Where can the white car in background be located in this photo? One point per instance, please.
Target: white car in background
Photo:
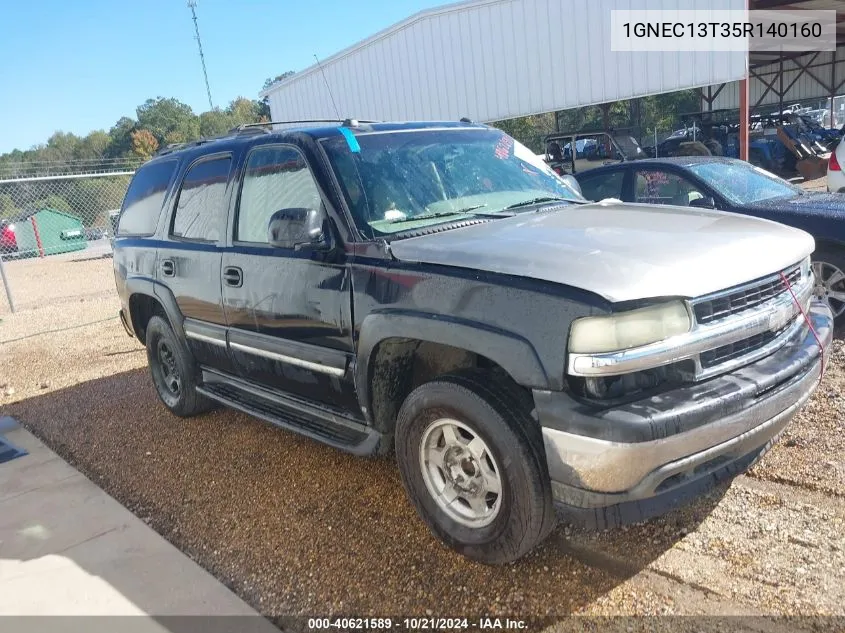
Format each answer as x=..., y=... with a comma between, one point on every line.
x=835, y=175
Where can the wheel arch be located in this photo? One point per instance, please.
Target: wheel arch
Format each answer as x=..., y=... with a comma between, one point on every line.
x=390, y=347
x=828, y=244
x=148, y=298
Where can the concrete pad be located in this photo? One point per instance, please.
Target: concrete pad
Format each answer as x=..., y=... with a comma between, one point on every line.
x=67, y=548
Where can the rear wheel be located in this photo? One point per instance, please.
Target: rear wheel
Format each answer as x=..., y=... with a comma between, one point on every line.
x=829, y=271
x=174, y=372
x=472, y=462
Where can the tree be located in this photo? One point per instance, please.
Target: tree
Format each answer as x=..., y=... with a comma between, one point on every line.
x=53, y=201
x=272, y=80
x=163, y=117
x=7, y=206
x=174, y=137
x=120, y=138
x=215, y=122
x=243, y=110
x=529, y=130
x=144, y=144
x=93, y=146
x=60, y=147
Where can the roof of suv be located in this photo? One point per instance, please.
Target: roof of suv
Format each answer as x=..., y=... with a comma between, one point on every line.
x=317, y=130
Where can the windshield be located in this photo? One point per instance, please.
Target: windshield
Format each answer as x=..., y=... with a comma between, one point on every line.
x=743, y=183
x=399, y=181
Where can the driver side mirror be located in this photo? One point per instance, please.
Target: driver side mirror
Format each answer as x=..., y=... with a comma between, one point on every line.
x=703, y=203
x=298, y=227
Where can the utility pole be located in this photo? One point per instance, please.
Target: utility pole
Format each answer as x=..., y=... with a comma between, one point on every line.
x=192, y=5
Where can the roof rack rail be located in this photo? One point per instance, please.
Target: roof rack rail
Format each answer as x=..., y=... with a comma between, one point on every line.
x=247, y=126
x=170, y=148
x=252, y=128
x=174, y=147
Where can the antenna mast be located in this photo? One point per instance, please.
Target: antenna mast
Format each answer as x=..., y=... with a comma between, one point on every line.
x=192, y=5
x=334, y=105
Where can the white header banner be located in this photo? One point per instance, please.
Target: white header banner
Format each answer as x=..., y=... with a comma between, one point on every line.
x=703, y=30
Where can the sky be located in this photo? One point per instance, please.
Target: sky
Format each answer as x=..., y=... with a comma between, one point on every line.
x=80, y=66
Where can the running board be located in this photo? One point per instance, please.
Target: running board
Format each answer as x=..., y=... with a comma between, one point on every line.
x=290, y=414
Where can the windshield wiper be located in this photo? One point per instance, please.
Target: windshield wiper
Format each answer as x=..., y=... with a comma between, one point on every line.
x=532, y=201
x=446, y=214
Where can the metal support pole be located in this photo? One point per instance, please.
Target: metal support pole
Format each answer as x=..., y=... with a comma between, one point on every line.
x=744, y=119
x=6, y=285
x=832, y=88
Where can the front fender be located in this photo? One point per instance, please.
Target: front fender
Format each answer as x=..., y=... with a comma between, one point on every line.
x=513, y=353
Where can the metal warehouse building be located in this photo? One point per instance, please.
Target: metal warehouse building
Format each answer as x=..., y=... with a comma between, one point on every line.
x=491, y=60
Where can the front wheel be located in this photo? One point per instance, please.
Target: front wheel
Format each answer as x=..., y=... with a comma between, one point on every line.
x=829, y=271
x=472, y=463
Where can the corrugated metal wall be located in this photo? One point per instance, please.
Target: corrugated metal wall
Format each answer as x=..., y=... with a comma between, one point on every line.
x=804, y=88
x=498, y=59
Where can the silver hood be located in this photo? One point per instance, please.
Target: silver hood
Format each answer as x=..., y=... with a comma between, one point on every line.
x=620, y=251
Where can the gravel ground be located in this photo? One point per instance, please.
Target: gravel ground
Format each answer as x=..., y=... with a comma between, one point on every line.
x=59, y=279
x=295, y=527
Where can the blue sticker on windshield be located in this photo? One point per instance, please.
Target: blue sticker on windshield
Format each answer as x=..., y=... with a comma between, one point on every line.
x=350, y=139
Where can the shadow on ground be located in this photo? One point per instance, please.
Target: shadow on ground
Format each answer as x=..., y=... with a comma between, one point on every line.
x=297, y=528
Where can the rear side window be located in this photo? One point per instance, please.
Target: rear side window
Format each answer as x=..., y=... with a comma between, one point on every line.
x=200, y=207
x=142, y=204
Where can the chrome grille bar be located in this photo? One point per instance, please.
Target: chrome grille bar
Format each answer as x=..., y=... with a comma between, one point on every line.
x=727, y=302
x=778, y=314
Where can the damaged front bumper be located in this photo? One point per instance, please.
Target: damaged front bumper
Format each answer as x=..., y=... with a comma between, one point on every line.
x=627, y=463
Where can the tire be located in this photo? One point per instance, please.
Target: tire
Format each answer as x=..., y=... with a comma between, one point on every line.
x=829, y=265
x=492, y=409
x=175, y=374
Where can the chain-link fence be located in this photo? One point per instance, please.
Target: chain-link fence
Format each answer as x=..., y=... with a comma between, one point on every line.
x=55, y=234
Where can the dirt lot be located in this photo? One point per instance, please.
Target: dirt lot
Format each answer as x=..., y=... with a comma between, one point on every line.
x=56, y=279
x=298, y=528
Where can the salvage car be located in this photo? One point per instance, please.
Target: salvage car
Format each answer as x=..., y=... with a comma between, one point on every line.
x=733, y=185
x=435, y=291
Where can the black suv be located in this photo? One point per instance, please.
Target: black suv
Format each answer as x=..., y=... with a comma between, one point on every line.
x=434, y=289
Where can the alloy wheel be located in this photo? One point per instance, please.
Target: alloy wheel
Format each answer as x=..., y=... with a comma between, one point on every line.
x=830, y=285
x=461, y=473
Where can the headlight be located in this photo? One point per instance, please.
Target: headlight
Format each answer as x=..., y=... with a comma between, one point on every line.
x=615, y=332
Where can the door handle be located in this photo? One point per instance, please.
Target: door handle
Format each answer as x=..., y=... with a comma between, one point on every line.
x=233, y=276
x=168, y=268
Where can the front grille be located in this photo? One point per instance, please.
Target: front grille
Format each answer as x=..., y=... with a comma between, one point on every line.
x=725, y=353
x=744, y=298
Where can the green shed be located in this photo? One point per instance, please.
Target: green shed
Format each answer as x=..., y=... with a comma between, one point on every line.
x=49, y=232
